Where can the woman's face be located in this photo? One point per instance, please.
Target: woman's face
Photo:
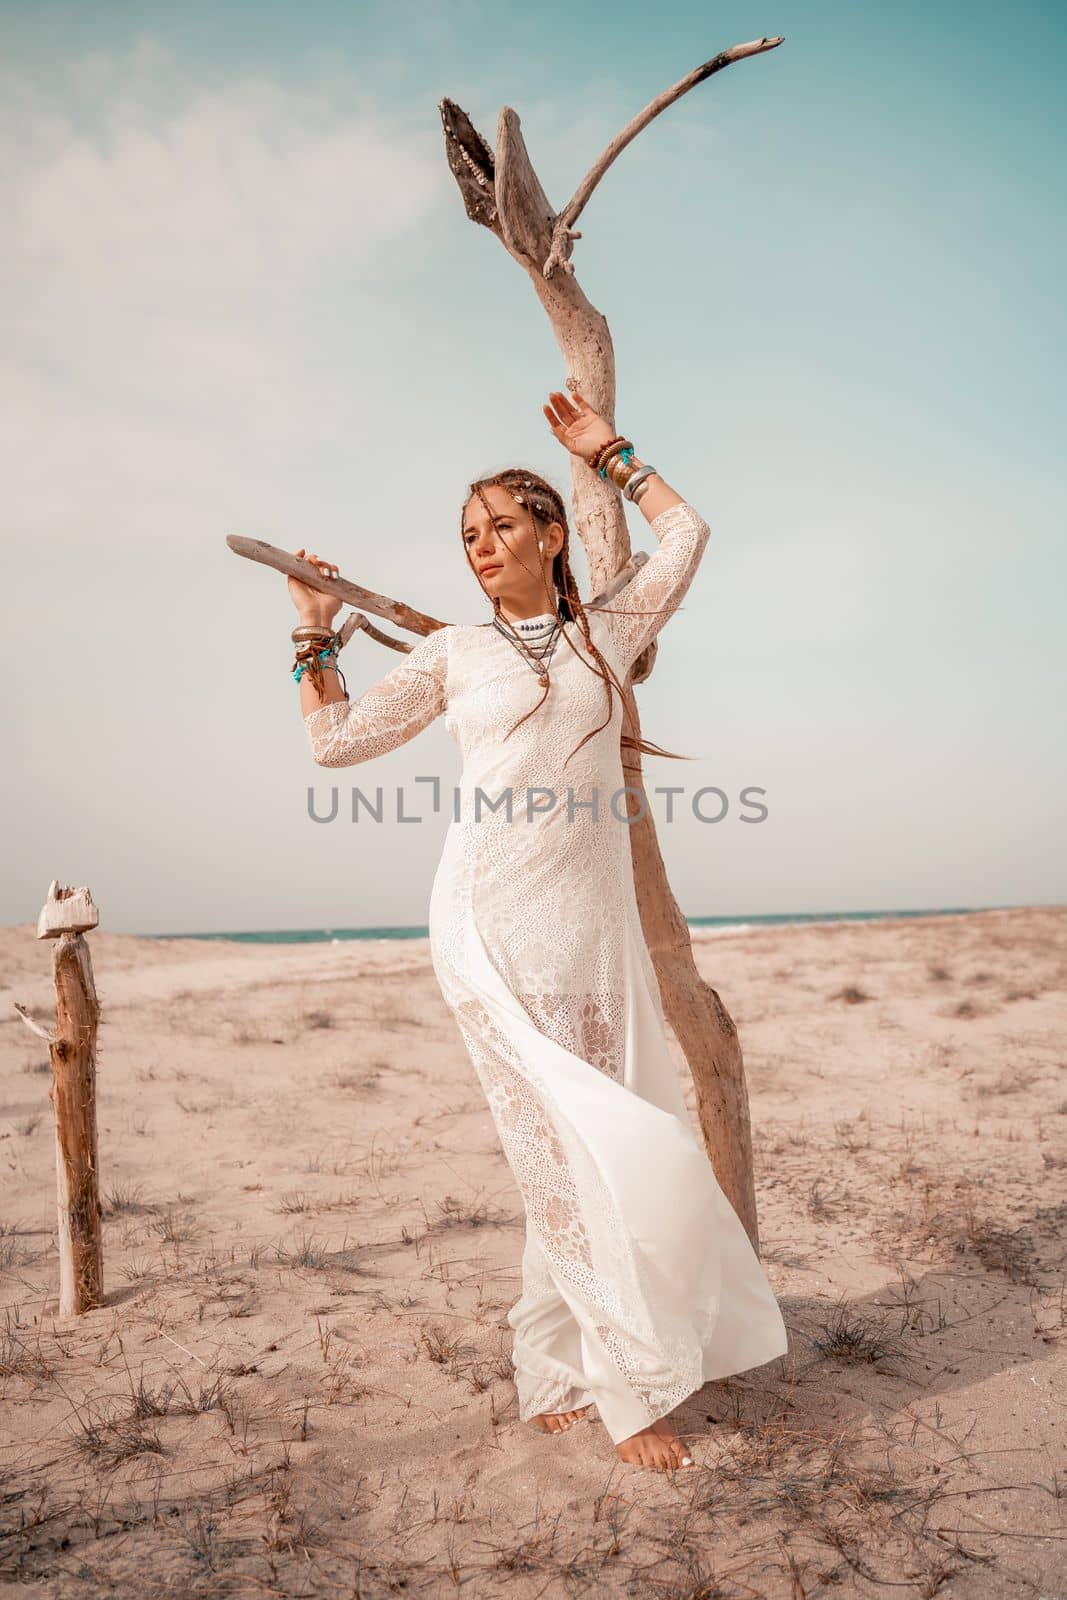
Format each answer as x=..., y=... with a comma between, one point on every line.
x=509, y=574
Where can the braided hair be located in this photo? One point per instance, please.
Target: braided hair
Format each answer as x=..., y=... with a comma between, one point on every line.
x=545, y=504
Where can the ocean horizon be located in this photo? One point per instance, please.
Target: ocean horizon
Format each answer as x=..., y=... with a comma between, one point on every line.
x=755, y=920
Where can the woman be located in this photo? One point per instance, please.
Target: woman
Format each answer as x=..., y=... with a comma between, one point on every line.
x=639, y=1283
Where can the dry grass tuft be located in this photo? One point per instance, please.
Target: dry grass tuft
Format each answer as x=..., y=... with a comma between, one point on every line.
x=318, y=1019
x=175, y=1228
x=950, y=1224
x=849, y=1337
x=19, y=1359
x=305, y=1253
x=125, y=1200
x=456, y=1213
x=362, y=1081
x=440, y=1345
x=112, y=1440
x=851, y=994
x=999, y=1249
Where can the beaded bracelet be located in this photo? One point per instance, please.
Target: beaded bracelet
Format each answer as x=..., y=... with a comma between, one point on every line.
x=596, y=460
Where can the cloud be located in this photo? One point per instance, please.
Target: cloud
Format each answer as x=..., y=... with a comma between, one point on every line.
x=189, y=191
x=175, y=253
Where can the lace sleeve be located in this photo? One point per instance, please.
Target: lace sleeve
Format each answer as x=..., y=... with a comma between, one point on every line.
x=637, y=613
x=391, y=712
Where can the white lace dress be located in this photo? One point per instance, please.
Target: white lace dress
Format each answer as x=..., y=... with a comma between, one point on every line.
x=639, y=1283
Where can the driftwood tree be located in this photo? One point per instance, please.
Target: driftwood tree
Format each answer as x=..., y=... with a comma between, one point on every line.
x=502, y=192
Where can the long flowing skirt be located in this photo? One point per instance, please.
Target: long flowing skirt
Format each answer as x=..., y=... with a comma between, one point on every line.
x=639, y=1282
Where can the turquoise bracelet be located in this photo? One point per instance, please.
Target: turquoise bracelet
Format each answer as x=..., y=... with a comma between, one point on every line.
x=626, y=455
x=324, y=655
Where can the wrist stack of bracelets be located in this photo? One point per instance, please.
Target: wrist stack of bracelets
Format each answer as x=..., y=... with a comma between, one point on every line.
x=317, y=646
x=614, y=461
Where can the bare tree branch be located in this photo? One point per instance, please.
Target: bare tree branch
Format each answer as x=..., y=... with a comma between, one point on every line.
x=563, y=228
x=24, y=1013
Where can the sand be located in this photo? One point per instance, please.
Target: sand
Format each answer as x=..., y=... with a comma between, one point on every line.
x=299, y=1384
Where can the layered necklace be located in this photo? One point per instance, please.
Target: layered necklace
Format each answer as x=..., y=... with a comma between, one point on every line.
x=537, y=639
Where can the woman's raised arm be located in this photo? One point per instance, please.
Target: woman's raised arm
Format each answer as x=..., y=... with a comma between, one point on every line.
x=635, y=615
x=391, y=712
x=388, y=714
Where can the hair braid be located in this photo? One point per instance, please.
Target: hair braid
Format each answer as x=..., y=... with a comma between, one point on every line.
x=545, y=504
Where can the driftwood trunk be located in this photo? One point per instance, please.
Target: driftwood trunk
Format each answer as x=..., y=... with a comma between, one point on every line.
x=502, y=192
x=73, y=1095
x=65, y=917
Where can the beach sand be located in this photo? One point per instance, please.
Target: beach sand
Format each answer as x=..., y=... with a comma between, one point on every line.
x=299, y=1381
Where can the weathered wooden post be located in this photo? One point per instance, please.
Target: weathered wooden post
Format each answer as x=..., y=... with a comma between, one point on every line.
x=66, y=915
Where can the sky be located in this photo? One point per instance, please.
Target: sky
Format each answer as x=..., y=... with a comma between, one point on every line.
x=242, y=295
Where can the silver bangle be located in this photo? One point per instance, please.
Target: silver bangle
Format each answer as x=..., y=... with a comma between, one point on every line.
x=635, y=482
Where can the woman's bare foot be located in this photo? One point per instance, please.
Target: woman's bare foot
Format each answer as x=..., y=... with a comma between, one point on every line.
x=658, y=1446
x=558, y=1421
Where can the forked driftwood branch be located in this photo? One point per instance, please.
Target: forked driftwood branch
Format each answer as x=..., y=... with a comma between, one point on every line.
x=563, y=227
x=502, y=192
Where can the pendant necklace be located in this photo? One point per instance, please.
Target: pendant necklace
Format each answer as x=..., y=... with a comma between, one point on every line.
x=537, y=641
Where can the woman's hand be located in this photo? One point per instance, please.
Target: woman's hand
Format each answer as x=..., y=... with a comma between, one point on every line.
x=577, y=426
x=312, y=604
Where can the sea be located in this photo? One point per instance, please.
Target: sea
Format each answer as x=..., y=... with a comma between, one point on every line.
x=764, y=919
